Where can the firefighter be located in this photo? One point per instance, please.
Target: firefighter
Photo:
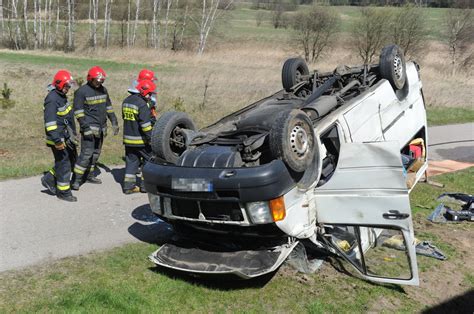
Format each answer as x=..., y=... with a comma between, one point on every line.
x=137, y=126
x=146, y=74
x=60, y=136
x=92, y=106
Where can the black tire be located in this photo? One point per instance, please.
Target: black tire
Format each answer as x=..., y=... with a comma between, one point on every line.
x=392, y=66
x=292, y=139
x=166, y=142
x=292, y=71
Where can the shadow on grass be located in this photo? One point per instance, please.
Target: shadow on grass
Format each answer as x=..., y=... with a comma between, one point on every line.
x=216, y=282
x=463, y=303
x=155, y=231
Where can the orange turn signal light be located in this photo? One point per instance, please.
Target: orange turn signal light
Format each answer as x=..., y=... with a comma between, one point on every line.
x=277, y=208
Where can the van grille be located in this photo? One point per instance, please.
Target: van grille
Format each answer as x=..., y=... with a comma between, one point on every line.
x=220, y=211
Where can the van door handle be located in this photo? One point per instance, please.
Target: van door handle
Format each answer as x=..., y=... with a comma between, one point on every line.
x=395, y=214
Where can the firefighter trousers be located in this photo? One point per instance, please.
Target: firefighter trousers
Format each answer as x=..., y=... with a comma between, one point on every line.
x=134, y=158
x=60, y=174
x=90, y=152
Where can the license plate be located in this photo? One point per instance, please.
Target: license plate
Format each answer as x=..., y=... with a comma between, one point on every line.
x=191, y=185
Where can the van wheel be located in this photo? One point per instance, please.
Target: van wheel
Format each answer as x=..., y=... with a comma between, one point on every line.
x=292, y=72
x=392, y=66
x=292, y=139
x=167, y=140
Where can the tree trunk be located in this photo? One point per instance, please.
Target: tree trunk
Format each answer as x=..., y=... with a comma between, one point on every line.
x=35, y=24
x=168, y=7
x=40, y=25
x=95, y=16
x=183, y=26
x=25, y=19
x=70, y=25
x=154, y=27
x=50, y=23
x=17, y=36
x=2, y=22
x=128, y=22
x=108, y=21
x=56, y=32
x=135, y=26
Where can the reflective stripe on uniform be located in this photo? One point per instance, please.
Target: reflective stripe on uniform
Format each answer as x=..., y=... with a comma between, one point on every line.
x=51, y=128
x=52, y=171
x=49, y=142
x=146, y=126
x=95, y=100
x=110, y=109
x=79, y=113
x=130, y=108
x=63, y=186
x=130, y=178
x=133, y=140
x=64, y=110
x=79, y=170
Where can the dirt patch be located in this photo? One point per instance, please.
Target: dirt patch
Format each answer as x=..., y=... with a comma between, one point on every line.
x=436, y=167
x=445, y=280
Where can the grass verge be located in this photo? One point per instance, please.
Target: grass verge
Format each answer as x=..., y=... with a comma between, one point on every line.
x=442, y=116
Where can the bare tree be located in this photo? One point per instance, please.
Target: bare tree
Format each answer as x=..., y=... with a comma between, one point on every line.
x=107, y=21
x=137, y=16
x=370, y=32
x=183, y=25
x=56, y=31
x=314, y=30
x=129, y=9
x=209, y=15
x=25, y=20
x=17, y=33
x=93, y=26
x=168, y=7
x=459, y=36
x=71, y=21
x=155, y=24
x=35, y=24
x=2, y=21
x=408, y=29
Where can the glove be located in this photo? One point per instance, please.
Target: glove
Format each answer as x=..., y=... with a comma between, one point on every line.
x=60, y=146
x=116, y=129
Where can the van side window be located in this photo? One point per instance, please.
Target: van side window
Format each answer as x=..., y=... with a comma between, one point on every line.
x=330, y=147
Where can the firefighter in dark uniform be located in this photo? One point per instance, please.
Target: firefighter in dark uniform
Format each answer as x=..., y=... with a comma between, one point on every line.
x=92, y=106
x=137, y=126
x=60, y=137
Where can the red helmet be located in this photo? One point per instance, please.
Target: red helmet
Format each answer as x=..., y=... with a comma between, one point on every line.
x=146, y=87
x=97, y=73
x=62, y=78
x=146, y=75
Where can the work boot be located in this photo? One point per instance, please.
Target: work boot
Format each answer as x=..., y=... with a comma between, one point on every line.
x=142, y=187
x=75, y=185
x=67, y=197
x=135, y=189
x=94, y=180
x=47, y=180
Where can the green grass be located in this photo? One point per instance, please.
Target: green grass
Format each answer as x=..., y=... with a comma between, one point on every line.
x=123, y=280
x=442, y=115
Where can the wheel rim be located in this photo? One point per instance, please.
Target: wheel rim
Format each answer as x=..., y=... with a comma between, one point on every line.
x=299, y=141
x=177, y=141
x=398, y=67
x=298, y=75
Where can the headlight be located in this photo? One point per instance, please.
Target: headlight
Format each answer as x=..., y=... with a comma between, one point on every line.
x=259, y=212
x=155, y=203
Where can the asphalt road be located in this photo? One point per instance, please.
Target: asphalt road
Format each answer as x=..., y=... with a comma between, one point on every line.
x=35, y=227
x=454, y=142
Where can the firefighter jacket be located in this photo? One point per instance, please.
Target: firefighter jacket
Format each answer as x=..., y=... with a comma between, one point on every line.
x=58, y=118
x=137, y=124
x=92, y=107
